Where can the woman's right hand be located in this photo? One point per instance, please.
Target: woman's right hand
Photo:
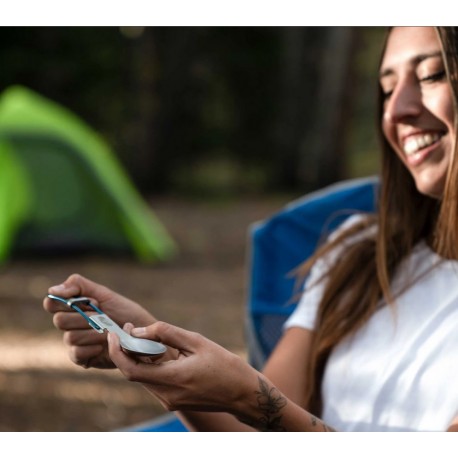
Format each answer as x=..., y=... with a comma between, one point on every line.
x=88, y=348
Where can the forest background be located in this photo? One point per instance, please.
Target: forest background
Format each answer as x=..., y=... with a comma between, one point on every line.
x=223, y=109
x=218, y=127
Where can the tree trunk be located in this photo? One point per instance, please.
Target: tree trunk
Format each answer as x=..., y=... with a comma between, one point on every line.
x=324, y=146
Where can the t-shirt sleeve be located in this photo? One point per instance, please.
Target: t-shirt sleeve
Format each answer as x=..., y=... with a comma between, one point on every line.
x=304, y=316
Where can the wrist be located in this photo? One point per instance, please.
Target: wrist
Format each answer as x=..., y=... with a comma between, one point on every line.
x=263, y=406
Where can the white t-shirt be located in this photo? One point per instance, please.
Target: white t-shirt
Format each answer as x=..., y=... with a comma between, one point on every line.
x=400, y=371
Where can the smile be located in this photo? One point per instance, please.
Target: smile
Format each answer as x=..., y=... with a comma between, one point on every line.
x=415, y=143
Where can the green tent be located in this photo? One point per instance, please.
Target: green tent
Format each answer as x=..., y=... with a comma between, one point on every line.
x=61, y=187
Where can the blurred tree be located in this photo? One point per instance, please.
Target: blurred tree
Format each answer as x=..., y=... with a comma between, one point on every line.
x=323, y=152
x=179, y=90
x=296, y=101
x=272, y=107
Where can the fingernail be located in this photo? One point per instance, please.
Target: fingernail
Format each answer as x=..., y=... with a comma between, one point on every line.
x=128, y=326
x=138, y=331
x=58, y=288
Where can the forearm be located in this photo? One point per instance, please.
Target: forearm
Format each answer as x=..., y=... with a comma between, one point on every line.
x=212, y=388
x=266, y=409
x=269, y=410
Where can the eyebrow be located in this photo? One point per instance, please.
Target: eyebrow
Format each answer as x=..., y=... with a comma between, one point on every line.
x=416, y=60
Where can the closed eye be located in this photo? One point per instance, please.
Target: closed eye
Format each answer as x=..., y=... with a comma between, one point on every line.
x=434, y=77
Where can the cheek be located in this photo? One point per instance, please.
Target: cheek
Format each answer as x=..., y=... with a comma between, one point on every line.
x=385, y=129
x=451, y=119
x=442, y=108
x=389, y=132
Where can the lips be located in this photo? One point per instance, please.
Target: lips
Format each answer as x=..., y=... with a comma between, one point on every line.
x=416, y=142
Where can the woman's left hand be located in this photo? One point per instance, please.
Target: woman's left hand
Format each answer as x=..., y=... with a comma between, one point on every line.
x=204, y=377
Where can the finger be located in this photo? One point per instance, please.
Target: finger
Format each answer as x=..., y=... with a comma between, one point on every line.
x=53, y=306
x=150, y=373
x=67, y=321
x=164, y=374
x=77, y=285
x=128, y=365
x=83, y=355
x=145, y=359
x=118, y=356
x=170, y=335
x=84, y=338
x=171, y=353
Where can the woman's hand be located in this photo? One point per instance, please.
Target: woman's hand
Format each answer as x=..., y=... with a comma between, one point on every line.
x=88, y=348
x=204, y=376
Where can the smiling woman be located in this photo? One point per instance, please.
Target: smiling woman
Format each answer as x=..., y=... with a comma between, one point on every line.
x=371, y=344
x=418, y=119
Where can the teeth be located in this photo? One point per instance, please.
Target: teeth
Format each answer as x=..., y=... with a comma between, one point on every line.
x=413, y=144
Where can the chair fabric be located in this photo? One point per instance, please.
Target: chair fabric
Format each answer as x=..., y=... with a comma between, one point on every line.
x=166, y=423
x=281, y=243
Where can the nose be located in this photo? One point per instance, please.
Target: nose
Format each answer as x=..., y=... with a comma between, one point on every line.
x=405, y=102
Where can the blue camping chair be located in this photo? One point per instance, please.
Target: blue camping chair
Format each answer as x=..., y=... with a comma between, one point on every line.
x=285, y=240
x=277, y=246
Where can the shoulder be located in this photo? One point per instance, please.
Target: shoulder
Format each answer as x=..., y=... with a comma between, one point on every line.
x=355, y=229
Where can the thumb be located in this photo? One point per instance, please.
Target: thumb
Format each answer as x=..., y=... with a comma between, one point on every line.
x=77, y=285
x=169, y=335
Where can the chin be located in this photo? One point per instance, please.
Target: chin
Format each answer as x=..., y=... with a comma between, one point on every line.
x=436, y=192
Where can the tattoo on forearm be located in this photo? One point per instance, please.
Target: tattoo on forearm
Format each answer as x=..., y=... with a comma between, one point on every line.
x=270, y=403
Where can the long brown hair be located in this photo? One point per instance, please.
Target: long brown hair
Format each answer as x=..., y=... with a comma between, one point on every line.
x=357, y=283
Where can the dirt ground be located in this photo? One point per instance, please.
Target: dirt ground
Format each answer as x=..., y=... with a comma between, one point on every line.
x=203, y=289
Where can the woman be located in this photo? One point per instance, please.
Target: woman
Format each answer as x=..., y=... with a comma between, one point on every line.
x=371, y=344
